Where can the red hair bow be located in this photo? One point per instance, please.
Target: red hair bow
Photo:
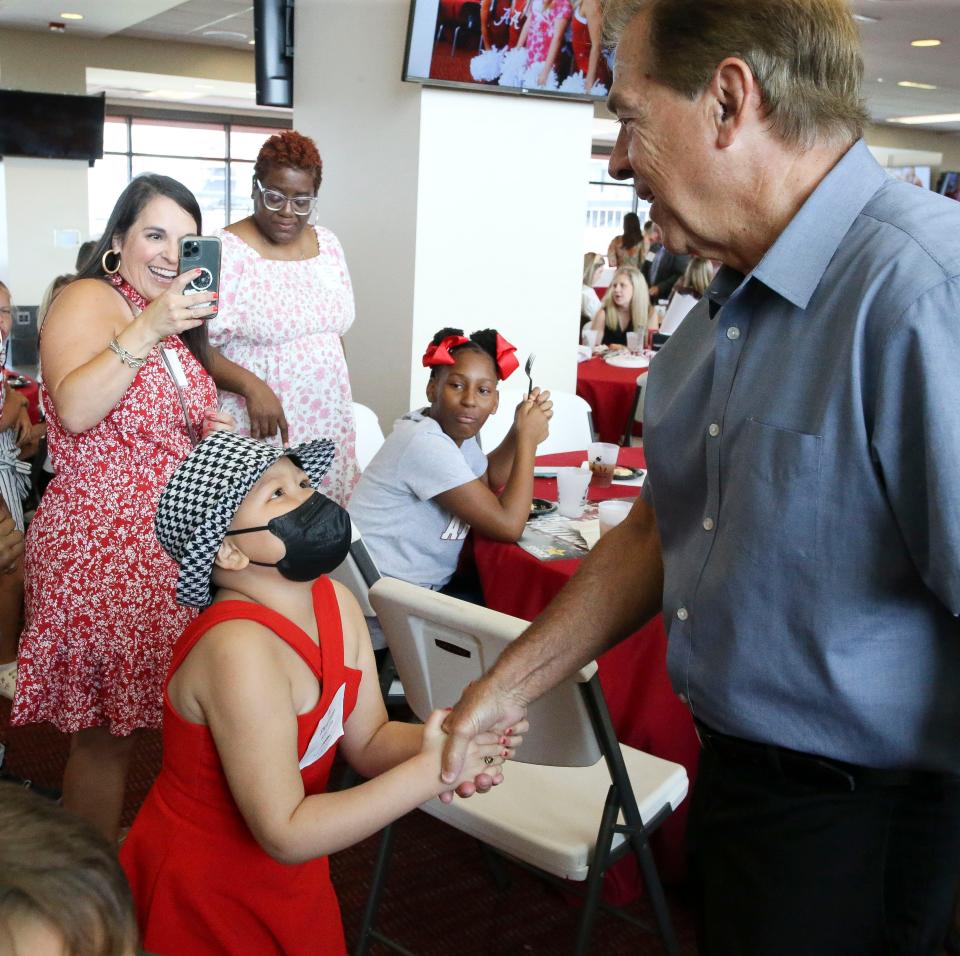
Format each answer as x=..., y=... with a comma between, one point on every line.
x=507, y=362
x=440, y=354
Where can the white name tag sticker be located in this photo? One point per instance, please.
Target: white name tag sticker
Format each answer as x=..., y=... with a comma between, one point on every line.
x=175, y=367
x=649, y=257
x=328, y=732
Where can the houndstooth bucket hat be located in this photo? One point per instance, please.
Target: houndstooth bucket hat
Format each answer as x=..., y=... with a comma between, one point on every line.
x=203, y=494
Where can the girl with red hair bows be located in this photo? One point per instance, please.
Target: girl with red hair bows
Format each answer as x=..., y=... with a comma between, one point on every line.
x=431, y=482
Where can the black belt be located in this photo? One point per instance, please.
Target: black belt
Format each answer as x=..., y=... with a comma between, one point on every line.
x=808, y=769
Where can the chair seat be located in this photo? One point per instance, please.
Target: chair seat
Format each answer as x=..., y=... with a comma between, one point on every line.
x=549, y=816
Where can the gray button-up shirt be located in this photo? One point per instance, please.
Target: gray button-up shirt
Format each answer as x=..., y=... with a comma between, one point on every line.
x=802, y=429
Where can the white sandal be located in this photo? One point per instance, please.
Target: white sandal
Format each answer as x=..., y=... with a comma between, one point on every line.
x=8, y=681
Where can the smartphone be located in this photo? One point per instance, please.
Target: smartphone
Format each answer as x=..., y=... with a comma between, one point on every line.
x=201, y=252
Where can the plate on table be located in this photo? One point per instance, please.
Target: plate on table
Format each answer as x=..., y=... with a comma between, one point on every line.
x=540, y=507
x=625, y=473
x=620, y=358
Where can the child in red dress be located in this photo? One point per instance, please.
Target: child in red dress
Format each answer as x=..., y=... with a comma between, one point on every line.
x=229, y=852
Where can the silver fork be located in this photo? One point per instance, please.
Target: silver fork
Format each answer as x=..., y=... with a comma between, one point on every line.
x=528, y=368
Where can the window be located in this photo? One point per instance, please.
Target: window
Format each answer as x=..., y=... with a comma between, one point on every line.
x=214, y=160
x=608, y=200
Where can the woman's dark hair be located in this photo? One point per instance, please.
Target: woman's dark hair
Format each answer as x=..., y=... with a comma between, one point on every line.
x=130, y=204
x=484, y=341
x=632, y=233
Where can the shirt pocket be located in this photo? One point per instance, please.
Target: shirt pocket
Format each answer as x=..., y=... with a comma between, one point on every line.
x=773, y=494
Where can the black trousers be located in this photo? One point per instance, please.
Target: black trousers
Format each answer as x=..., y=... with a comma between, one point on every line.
x=790, y=858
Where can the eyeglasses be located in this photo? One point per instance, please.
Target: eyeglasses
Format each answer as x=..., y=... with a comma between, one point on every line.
x=275, y=200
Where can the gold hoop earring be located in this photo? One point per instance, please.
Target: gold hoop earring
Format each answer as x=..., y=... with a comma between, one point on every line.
x=103, y=262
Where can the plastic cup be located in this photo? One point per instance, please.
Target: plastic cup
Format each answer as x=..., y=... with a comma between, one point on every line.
x=590, y=337
x=634, y=342
x=572, y=484
x=602, y=458
x=611, y=513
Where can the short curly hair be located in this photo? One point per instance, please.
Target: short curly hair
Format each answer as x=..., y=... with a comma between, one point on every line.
x=292, y=149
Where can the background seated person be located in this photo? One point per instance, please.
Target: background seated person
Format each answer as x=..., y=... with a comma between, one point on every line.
x=687, y=293
x=625, y=308
x=589, y=300
x=431, y=482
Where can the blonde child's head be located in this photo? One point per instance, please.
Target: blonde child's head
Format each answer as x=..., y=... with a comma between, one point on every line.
x=62, y=892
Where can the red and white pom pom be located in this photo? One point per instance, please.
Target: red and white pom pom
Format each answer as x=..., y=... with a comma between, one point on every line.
x=487, y=66
x=514, y=67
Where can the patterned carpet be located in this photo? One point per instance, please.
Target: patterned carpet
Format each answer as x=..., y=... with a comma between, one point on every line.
x=440, y=897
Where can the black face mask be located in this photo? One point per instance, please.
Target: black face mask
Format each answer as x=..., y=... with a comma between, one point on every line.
x=316, y=535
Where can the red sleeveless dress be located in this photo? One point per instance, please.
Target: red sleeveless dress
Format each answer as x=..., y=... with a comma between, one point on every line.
x=201, y=883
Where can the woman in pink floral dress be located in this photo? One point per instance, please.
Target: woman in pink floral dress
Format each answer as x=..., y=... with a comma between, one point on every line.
x=125, y=390
x=285, y=301
x=543, y=33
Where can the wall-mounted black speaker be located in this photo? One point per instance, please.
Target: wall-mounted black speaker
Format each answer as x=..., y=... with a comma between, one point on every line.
x=273, y=36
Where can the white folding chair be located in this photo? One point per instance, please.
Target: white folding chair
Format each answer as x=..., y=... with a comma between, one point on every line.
x=369, y=434
x=571, y=428
x=574, y=800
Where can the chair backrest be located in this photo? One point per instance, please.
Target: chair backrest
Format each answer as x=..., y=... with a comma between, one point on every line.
x=358, y=572
x=636, y=410
x=570, y=427
x=439, y=644
x=369, y=434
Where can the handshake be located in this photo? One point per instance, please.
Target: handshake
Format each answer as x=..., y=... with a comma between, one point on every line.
x=477, y=737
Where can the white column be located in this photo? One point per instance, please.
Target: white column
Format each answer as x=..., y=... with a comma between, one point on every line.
x=455, y=207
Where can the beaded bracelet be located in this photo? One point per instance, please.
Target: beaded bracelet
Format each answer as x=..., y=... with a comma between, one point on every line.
x=128, y=358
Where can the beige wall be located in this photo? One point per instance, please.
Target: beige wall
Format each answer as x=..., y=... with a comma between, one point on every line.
x=903, y=137
x=48, y=63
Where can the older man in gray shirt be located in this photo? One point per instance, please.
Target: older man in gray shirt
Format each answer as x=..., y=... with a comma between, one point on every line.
x=801, y=526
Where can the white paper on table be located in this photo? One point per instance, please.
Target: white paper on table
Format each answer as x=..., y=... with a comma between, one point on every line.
x=589, y=530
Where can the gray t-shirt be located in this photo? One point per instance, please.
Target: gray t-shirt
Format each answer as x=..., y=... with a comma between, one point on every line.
x=408, y=534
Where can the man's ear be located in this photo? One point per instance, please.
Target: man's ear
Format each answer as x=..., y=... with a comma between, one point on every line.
x=230, y=557
x=734, y=99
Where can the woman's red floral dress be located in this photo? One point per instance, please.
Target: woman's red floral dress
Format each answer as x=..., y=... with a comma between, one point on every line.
x=101, y=615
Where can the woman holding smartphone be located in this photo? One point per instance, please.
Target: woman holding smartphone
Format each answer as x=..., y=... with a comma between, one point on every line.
x=285, y=301
x=126, y=389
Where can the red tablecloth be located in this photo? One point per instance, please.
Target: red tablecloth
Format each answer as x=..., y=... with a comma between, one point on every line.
x=31, y=392
x=645, y=711
x=609, y=392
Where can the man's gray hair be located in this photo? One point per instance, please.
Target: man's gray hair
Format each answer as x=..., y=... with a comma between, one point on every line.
x=804, y=54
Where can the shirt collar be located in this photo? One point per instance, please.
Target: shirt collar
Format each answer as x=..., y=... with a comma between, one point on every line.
x=796, y=262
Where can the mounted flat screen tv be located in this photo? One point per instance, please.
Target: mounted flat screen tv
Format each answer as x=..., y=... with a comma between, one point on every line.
x=949, y=185
x=507, y=46
x=51, y=125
